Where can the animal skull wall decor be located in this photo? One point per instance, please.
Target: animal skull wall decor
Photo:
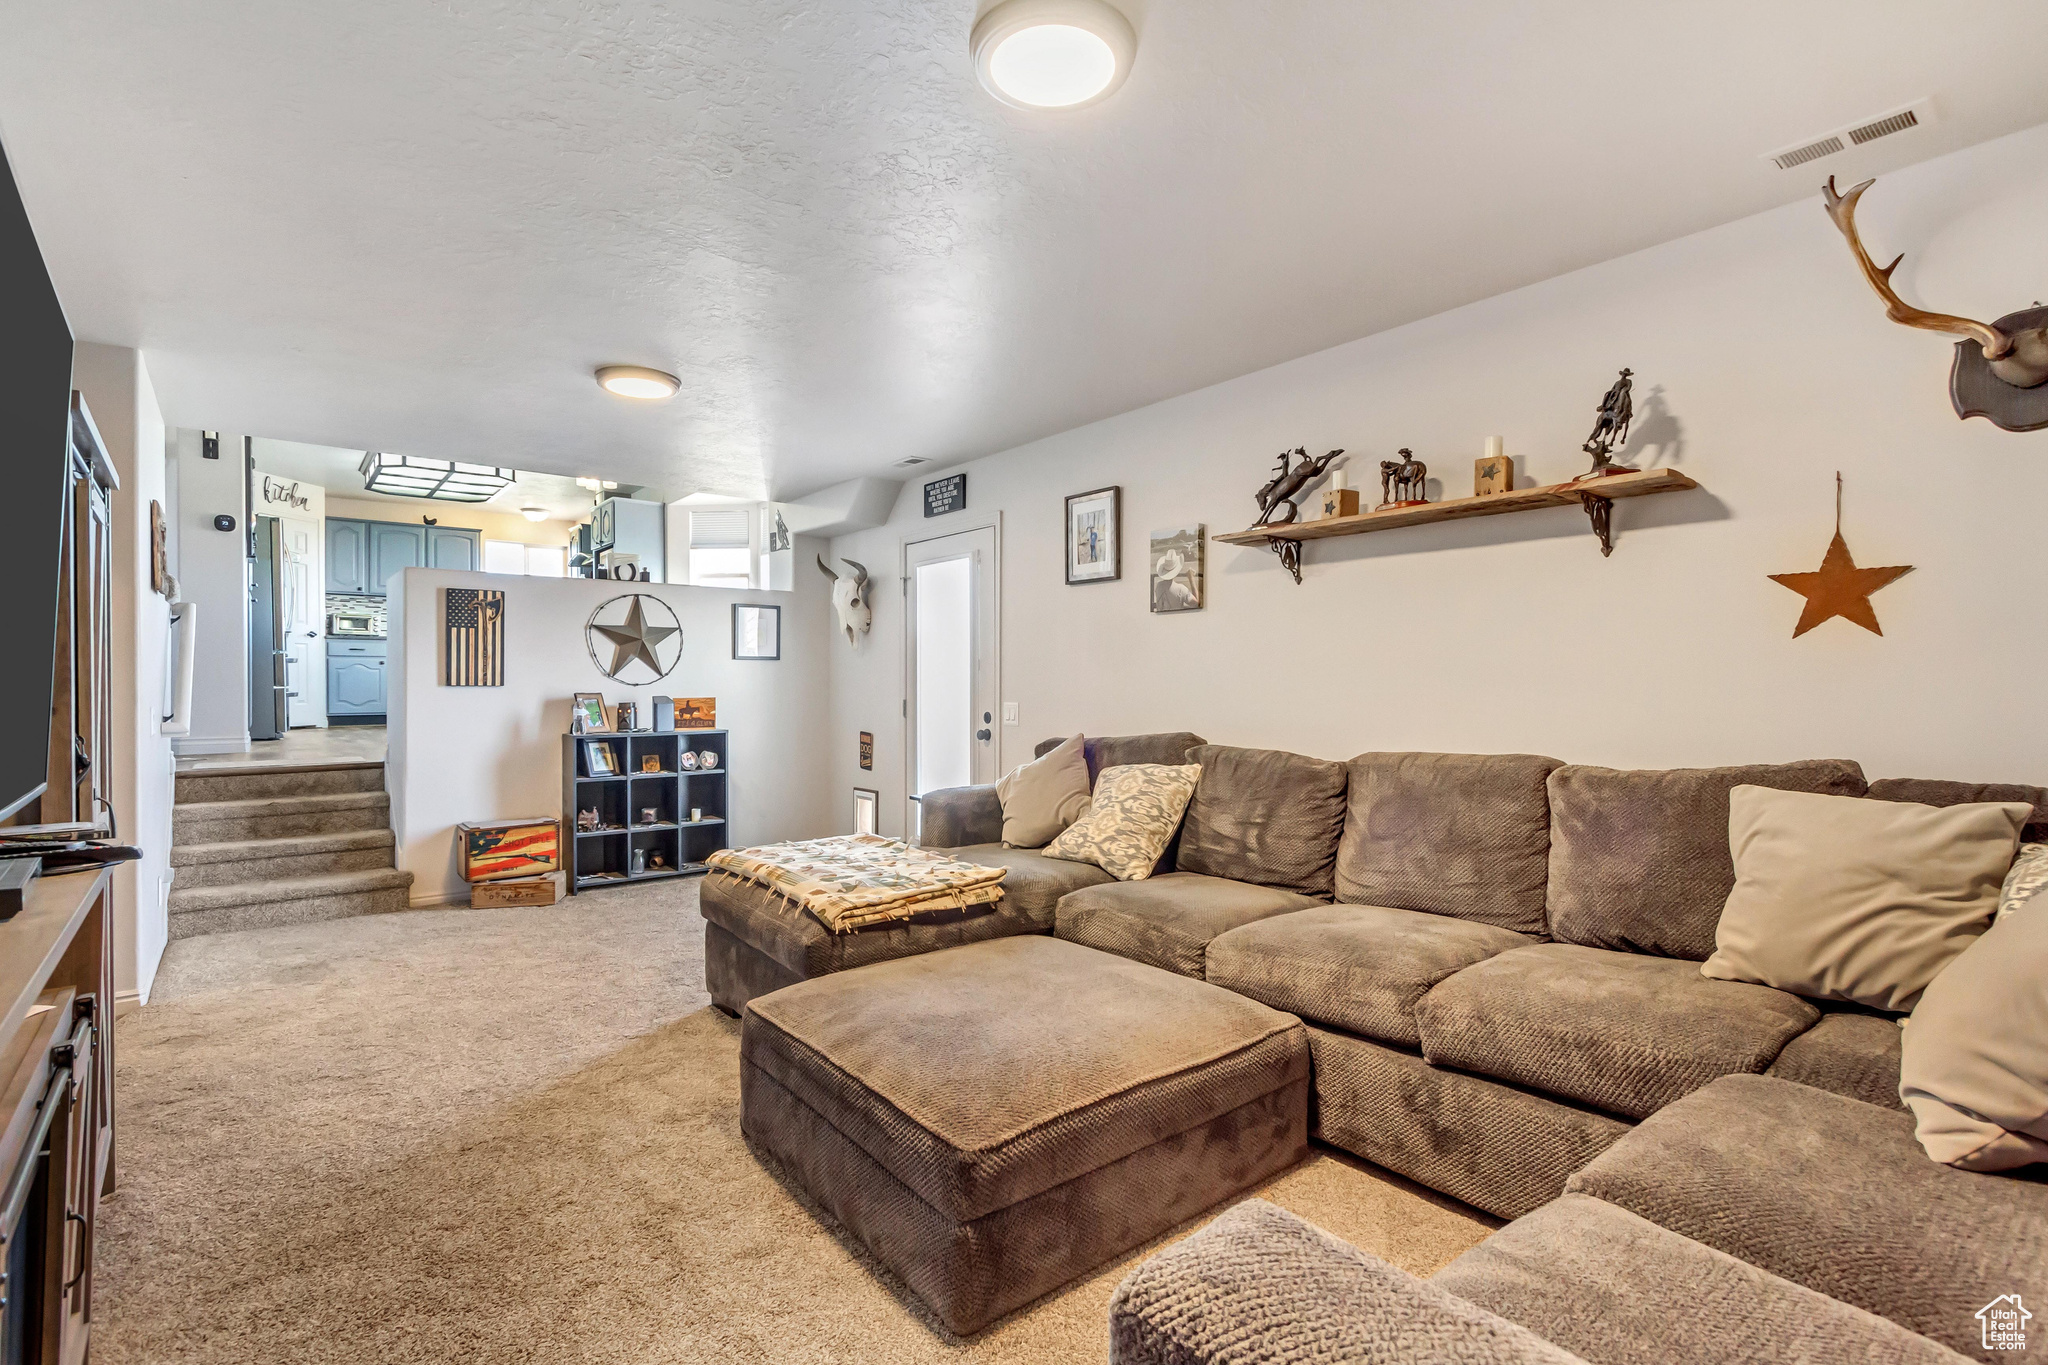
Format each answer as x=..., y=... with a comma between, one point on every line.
x=2001, y=368
x=850, y=599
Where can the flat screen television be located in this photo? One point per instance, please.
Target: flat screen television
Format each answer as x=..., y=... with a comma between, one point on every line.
x=35, y=440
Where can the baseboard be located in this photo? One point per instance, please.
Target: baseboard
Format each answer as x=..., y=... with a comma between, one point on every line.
x=438, y=899
x=186, y=748
x=126, y=1003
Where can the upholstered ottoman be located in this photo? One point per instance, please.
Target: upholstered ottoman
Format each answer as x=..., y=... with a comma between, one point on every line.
x=997, y=1119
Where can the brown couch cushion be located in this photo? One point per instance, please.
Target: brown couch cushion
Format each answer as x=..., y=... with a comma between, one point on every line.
x=1849, y=1053
x=1453, y=834
x=1932, y=792
x=985, y=1075
x=1355, y=967
x=1167, y=921
x=1264, y=816
x=1624, y=1032
x=1112, y=751
x=1036, y=882
x=1836, y=1195
x=1616, y=1288
x=1639, y=860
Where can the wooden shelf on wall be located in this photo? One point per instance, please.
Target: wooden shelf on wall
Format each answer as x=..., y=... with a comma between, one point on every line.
x=1615, y=486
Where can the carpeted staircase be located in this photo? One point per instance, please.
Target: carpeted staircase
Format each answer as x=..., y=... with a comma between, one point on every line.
x=263, y=845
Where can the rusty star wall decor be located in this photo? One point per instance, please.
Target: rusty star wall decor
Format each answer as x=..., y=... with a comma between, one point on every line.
x=1839, y=588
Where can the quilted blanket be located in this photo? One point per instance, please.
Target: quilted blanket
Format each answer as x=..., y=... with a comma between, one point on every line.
x=851, y=881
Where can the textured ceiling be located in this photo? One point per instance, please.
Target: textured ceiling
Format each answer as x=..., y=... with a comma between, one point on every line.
x=414, y=226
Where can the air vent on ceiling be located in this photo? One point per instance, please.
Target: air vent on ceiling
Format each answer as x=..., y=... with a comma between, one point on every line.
x=1915, y=115
x=911, y=462
x=1812, y=151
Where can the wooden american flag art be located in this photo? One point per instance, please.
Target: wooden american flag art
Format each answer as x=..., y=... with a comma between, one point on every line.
x=474, y=619
x=508, y=848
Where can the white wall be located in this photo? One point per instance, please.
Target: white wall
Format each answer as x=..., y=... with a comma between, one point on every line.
x=1763, y=364
x=213, y=571
x=494, y=753
x=115, y=382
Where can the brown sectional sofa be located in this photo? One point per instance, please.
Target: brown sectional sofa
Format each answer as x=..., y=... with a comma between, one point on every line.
x=1495, y=963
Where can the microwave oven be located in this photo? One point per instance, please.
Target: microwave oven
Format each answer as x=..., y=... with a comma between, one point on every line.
x=352, y=623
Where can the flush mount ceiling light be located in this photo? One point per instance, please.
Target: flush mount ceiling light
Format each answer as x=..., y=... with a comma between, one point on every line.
x=412, y=476
x=637, y=381
x=1052, y=54
x=534, y=513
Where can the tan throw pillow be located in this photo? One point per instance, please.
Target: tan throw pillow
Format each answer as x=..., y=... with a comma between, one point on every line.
x=1044, y=796
x=1136, y=809
x=1974, y=1063
x=2029, y=874
x=1844, y=898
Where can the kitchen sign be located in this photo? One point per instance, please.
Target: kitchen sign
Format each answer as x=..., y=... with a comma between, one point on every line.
x=286, y=493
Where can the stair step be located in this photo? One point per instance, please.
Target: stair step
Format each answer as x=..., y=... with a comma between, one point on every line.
x=272, y=817
x=302, y=855
x=252, y=781
x=219, y=909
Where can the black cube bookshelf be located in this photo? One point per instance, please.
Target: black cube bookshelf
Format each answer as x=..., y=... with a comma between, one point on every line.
x=648, y=775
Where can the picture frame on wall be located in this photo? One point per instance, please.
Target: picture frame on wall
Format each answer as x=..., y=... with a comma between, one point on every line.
x=1094, y=535
x=756, y=632
x=865, y=803
x=586, y=714
x=1176, y=556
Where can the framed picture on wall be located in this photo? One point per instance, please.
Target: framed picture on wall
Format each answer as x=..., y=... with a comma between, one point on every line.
x=1094, y=536
x=865, y=803
x=1176, y=555
x=756, y=632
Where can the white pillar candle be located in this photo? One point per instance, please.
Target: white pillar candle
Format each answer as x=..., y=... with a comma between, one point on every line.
x=1494, y=447
x=1339, y=480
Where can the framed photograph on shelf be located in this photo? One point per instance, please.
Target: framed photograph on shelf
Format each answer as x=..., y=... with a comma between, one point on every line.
x=865, y=803
x=1176, y=555
x=600, y=758
x=1094, y=538
x=586, y=714
x=756, y=632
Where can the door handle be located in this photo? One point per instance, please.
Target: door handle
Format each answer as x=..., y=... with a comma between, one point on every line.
x=982, y=735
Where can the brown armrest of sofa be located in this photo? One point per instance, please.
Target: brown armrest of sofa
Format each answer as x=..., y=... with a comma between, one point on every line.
x=954, y=817
x=1259, y=1270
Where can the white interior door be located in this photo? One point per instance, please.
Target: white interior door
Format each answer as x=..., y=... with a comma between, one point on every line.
x=950, y=585
x=303, y=582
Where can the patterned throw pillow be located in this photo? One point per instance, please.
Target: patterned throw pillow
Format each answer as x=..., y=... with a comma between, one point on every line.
x=1136, y=810
x=2029, y=874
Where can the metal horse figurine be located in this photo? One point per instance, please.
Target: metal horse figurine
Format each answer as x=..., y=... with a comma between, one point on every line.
x=1402, y=481
x=1610, y=429
x=1277, y=497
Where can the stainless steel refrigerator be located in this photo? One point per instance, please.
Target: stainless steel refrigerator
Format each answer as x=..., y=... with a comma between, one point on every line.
x=267, y=686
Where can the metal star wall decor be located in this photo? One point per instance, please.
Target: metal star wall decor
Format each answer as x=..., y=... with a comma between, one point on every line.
x=643, y=650
x=1839, y=588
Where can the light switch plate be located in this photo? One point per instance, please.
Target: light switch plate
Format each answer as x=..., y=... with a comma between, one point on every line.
x=1009, y=713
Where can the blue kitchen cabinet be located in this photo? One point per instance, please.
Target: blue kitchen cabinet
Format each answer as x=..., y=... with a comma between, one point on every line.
x=451, y=547
x=355, y=677
x=394, y=546
x=348, y=555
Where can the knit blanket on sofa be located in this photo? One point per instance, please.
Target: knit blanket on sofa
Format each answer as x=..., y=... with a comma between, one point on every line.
x=852, y=881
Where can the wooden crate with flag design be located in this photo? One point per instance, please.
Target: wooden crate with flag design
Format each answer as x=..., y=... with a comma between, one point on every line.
x=494, y=850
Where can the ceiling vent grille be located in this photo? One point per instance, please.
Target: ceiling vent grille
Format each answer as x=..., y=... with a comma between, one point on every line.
x=911, y=462
x=1812, y=151
x=1915, y=115
x=1877, y=128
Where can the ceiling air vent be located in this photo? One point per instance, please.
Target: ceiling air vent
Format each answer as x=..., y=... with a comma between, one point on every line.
x=1877, y=128
x=1812, y=151
x=1915, y=115
x=911, y=462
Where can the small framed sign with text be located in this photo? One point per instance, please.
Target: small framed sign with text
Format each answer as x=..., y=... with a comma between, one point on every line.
x=945, y=495
x=867, y=750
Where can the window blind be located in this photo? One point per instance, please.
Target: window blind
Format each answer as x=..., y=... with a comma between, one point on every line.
x=722, y=528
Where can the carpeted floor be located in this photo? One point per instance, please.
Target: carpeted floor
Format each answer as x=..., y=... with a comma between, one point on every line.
x=483, y=1136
